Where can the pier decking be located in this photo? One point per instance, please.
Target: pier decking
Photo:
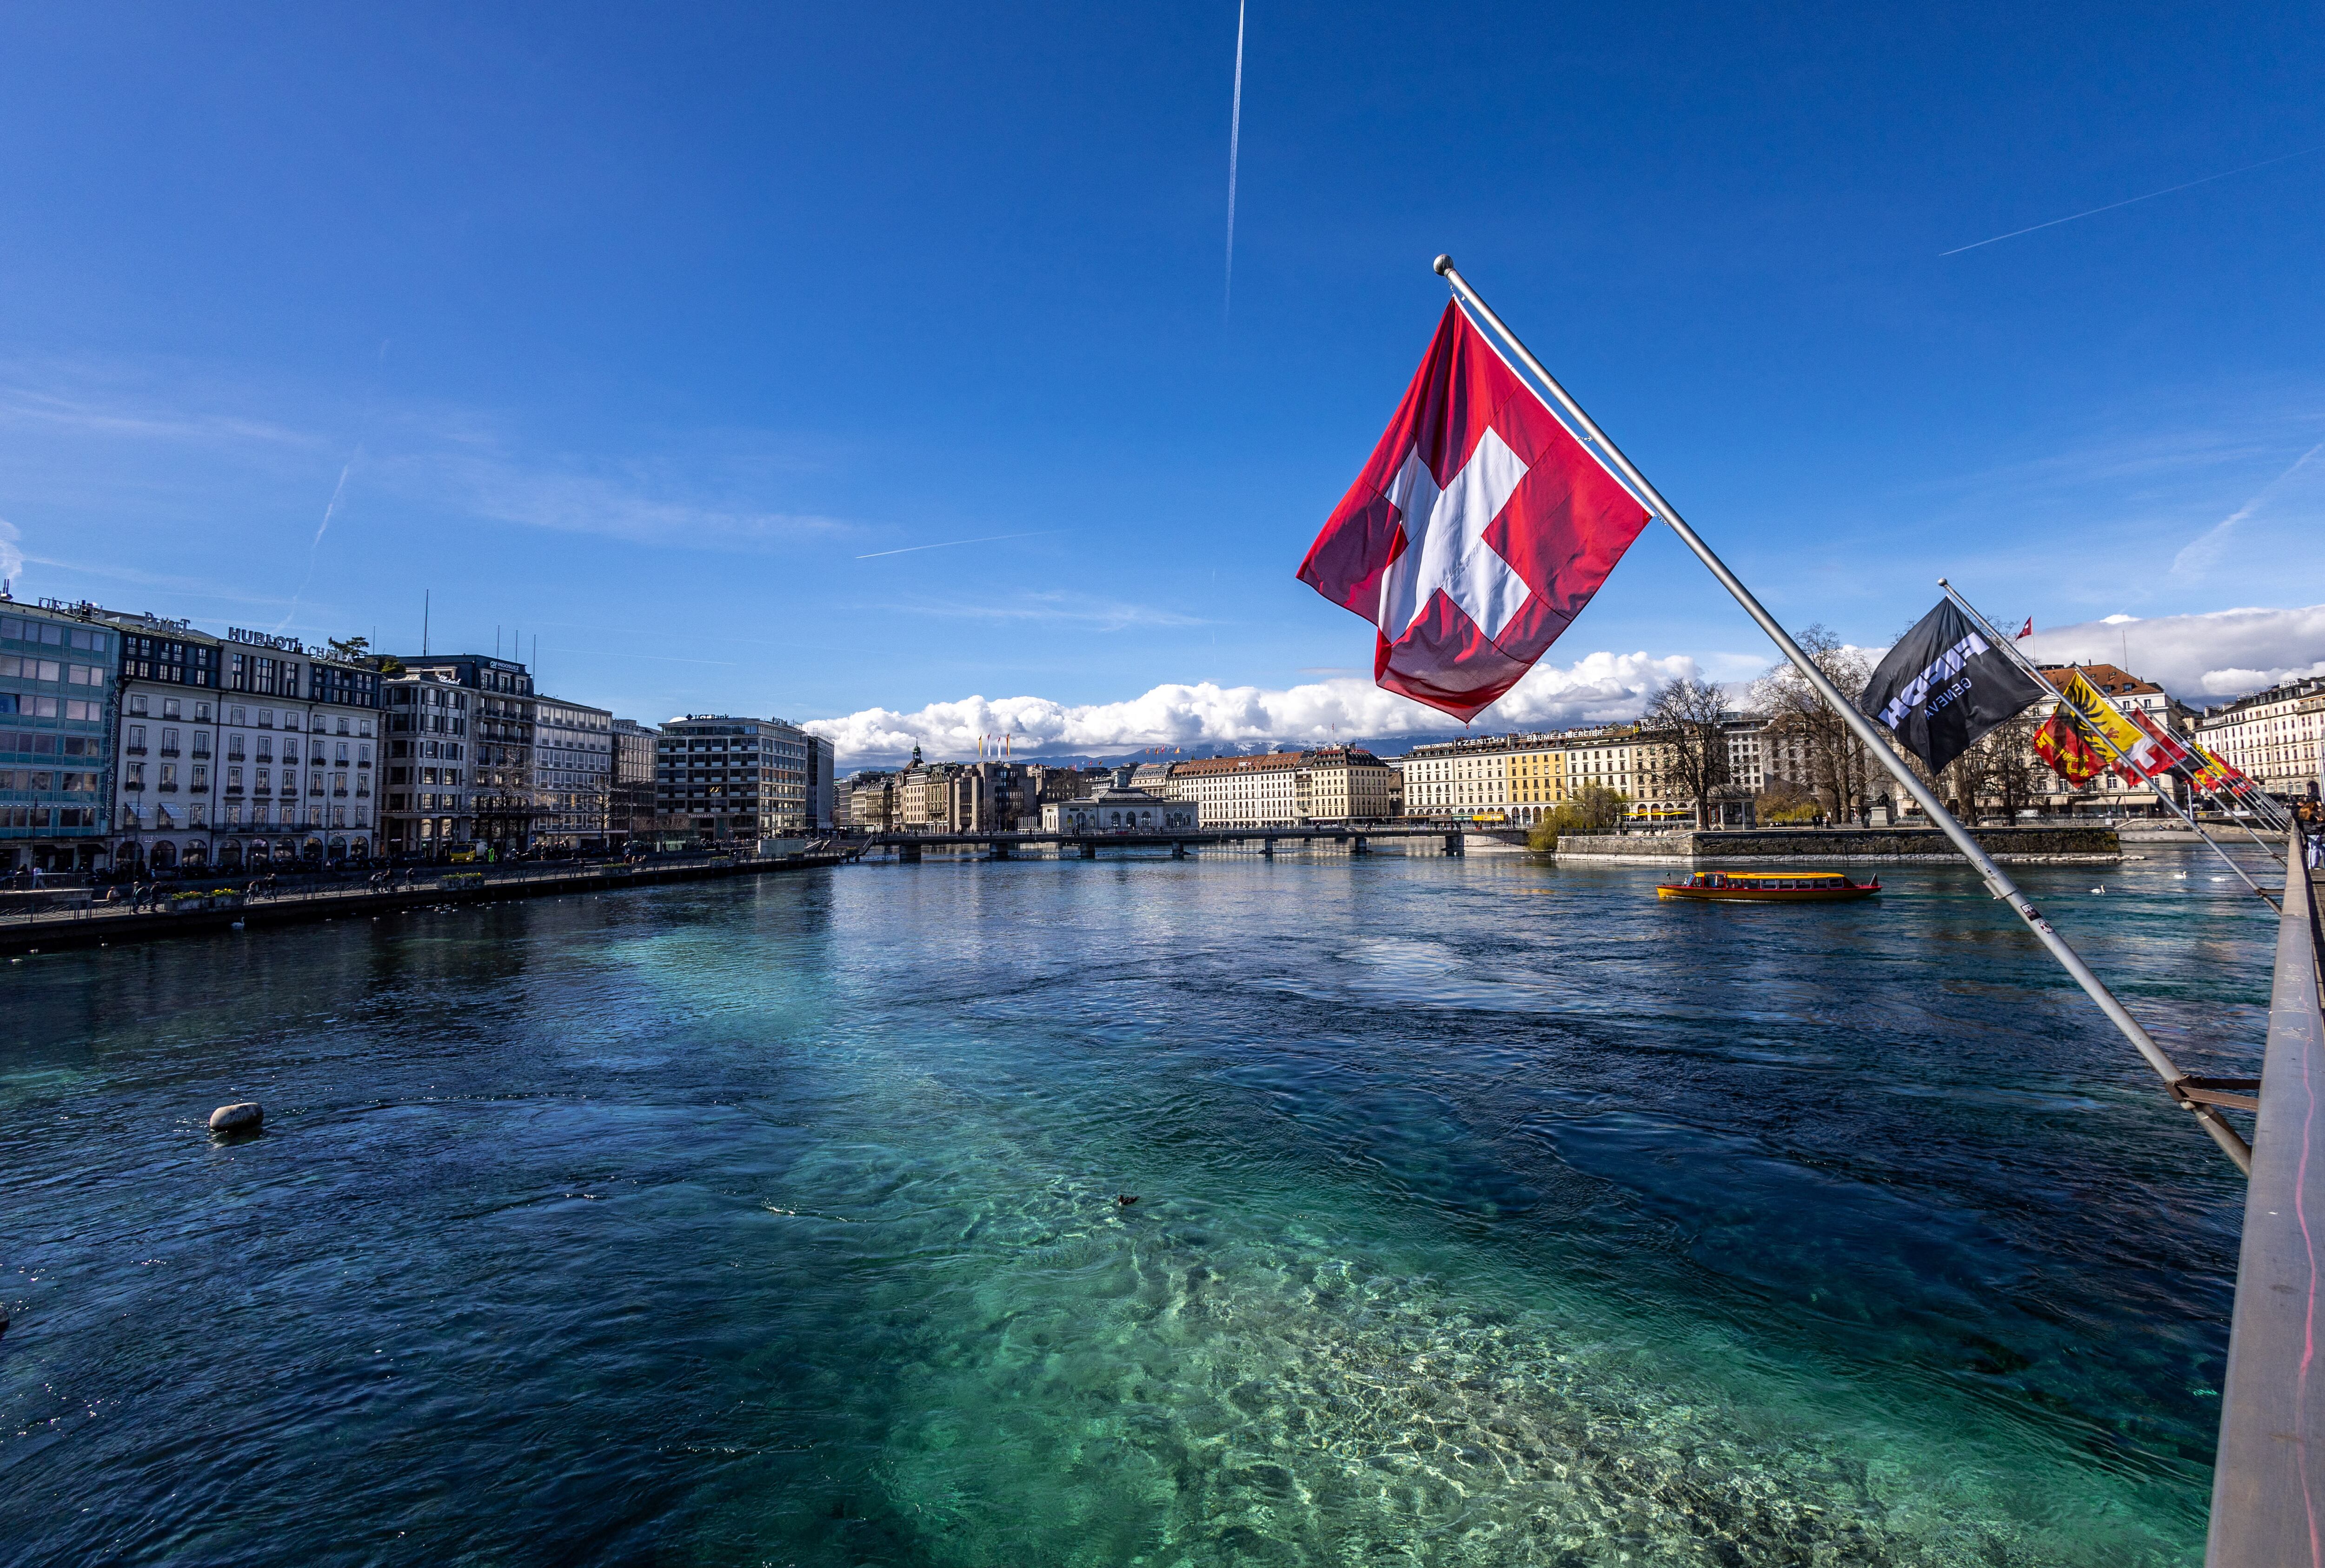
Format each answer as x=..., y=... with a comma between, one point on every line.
x=2268, y=1487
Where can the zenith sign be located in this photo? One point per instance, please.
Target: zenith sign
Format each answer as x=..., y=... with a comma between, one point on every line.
x=1445, y=542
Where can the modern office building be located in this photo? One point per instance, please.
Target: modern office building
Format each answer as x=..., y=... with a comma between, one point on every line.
x=572, y=774
x=822, y=795
x=719, y=776
x=427, y=814
x=57, y=675
x=633, y=814
x=500, y=761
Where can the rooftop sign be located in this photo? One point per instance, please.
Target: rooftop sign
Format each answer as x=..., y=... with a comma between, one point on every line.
x=265, y=640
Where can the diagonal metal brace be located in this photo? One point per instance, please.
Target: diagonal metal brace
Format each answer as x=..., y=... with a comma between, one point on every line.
x=2234, y=1093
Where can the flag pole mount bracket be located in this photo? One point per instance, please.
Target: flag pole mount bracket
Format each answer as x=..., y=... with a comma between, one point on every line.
x=2234, y=1094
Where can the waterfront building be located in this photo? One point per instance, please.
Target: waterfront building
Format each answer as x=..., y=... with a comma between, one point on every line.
x=633, y=786
x=724, y=777
x=997, y=797
x=872, y=801
x=1259, y=791
x=57, y=675
x=1122, y=808
x=823, y=808
x=250, y=750
x=426, y=810
x=572, y=774
x=1523, y=778
x=1346, y=783
x=500, y=743
x=2110, y=793
x=2273, y=735
x=924, y=796
x=1154, y=778
x=1537, y=776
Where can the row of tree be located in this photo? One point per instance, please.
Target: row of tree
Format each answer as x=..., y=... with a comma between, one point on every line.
x=1828, y=772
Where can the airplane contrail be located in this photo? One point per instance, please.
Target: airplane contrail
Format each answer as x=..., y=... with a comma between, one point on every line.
x=947, y=544
x=363, y=427
x=1235, y=146
x=2128, y=201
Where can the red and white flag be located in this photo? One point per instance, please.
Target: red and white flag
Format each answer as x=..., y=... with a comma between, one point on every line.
x=2027, y=630
x=1477, y=533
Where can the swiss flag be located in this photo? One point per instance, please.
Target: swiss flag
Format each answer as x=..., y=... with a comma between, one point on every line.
x=1476, y=534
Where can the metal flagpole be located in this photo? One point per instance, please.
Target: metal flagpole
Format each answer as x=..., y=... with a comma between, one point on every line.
x=2230, y=1141
x=2260, y=802
x=2161, y=793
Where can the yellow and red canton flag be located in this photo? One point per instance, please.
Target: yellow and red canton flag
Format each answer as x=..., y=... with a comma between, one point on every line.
x=1477, y=533
x=2145, y=751
x=2060, y=743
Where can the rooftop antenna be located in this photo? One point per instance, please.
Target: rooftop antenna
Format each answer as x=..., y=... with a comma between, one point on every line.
x=427, y=597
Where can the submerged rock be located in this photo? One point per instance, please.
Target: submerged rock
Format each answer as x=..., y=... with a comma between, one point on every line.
x=241, y=1118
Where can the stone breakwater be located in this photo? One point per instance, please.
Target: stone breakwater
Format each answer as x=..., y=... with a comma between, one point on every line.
x=98, y=926
x=1747, y=846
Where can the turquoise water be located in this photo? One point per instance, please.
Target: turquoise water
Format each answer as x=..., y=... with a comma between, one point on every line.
x=1489, y=1212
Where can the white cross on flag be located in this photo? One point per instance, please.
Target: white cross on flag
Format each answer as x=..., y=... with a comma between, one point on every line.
x=1476, y=534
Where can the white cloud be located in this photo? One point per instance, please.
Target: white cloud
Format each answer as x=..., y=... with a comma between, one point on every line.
x=2198, y=658
x=1053, y=608
x=11, y=559
x=115, y=415
x=1599, y=687
x=631, y=503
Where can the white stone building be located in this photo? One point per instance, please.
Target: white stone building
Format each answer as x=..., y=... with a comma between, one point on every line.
x=241, y=751
x=2273, y=735
x=1121, y=810
x=1261, y=791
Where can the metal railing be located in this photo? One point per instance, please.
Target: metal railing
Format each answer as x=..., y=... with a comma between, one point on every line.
x=2268, y=1484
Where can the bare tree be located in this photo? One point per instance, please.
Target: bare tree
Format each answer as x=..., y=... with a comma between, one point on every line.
x=1840, y=768
x=1685, y=716
x=1999, y=769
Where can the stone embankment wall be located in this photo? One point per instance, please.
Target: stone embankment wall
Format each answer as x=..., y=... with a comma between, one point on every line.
x=2010, y=845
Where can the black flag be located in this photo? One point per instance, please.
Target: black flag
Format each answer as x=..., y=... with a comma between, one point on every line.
x=1943, y=686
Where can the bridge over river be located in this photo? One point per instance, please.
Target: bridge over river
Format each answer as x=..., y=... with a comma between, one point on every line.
x=1357, y=838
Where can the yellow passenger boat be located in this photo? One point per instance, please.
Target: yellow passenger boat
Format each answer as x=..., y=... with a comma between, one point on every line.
x=1769, y=887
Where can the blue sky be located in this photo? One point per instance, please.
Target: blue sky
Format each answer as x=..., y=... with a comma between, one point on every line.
x=639, y=329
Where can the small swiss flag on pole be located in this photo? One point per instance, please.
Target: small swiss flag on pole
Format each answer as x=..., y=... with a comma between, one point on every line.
x=1477, y=533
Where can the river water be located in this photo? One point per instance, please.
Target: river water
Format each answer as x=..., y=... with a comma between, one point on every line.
x=1489, y=1212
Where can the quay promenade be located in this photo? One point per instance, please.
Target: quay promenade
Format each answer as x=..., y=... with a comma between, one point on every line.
x=88, y=923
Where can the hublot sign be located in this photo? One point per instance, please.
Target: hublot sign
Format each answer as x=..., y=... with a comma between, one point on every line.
x=262, y=640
